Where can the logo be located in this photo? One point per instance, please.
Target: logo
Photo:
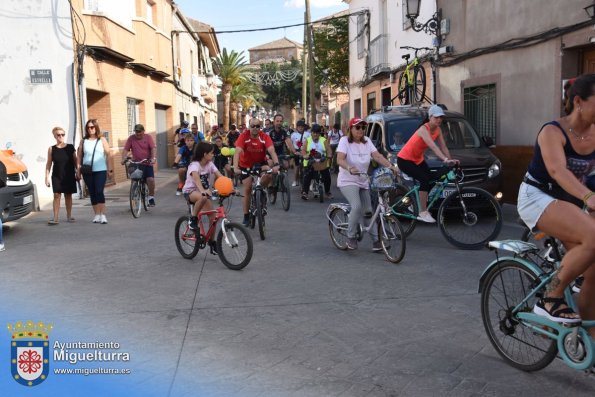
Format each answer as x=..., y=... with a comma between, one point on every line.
x=29, y=352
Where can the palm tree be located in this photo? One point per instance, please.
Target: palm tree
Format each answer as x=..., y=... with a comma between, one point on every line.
x=246, y=94
x=231, y=68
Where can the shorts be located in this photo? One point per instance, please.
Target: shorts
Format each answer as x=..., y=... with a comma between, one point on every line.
x=247, y=175
x=531, y=203
x=148, y=171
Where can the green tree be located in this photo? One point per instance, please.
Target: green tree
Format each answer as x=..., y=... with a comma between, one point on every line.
x=231, y=69
x=331, y=51
x=284, y=92
x=246, y=94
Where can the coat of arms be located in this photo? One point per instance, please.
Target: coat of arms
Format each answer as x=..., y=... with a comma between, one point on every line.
x=29, y=352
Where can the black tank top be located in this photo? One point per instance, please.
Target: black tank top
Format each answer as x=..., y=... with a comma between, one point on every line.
x=580, y=165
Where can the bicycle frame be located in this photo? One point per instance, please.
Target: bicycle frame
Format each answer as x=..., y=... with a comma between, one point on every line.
x=380, y=209
x=207, y=234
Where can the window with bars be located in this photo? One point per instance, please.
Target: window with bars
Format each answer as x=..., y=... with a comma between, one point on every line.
x=479, y=104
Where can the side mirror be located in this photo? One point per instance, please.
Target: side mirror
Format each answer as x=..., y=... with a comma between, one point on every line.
x=488, y=141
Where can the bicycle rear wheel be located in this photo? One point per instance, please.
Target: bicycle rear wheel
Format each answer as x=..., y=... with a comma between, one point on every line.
x=260, y=197
x=145, y=195
x=337, y=226
x=404, y=208
x=236, y=251
x=471, y=219
x=285, y=191
x=320, y=192
x=403, y=94
x=419, y=83
x=504, y=288
x=186, y=239
x=135, y=198
x=272, y=190
x=392, y=237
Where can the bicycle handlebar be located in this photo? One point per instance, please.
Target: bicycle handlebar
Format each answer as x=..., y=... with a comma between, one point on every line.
x=141, y=162
x=415, y=48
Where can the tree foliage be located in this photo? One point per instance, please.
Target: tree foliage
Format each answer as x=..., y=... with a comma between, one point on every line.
x=331, y=51
x=286, y=92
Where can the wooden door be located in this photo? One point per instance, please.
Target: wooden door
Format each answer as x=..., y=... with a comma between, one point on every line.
x=589, y=61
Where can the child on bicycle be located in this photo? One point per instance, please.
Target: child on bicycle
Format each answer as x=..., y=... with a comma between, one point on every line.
x=182, y=160
x=196, y=189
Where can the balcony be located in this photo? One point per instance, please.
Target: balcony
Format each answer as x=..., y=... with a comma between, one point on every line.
x=379, y=55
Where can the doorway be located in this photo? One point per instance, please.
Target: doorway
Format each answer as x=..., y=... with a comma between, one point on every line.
x=161, y=132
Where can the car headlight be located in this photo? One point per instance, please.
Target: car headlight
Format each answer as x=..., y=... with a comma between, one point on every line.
x=494, y=170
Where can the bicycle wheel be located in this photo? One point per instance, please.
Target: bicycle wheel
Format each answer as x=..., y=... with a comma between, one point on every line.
x=470, y=220
x=236, y=251
x=186, y=239
x=419, y=83
x=285, y=192
x=320, y=192
x=135, y=198
x=272, y=190
x=404, y=208
x=260, y=214
x=505, y=287
x=403, y=94
x=337, y=226
x=392, y=237
x=145, y=195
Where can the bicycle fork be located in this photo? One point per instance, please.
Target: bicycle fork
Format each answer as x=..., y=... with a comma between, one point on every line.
x=230, y=239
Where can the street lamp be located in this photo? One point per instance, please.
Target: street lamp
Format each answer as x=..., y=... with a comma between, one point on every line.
x=431, y=26
x=590, y=10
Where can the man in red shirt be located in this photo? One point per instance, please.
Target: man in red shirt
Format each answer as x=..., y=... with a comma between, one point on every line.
x=251, y=149
x=142, y=147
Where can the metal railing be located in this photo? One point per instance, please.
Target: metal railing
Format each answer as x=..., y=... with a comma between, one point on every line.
x=379, y=55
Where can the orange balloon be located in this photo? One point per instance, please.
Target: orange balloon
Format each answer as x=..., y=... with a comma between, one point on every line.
x=224, y=186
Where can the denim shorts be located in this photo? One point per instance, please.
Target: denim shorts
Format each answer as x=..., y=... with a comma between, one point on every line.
x=531, y=203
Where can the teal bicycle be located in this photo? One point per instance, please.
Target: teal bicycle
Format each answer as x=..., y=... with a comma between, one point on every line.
x=468, y=217
x=510, y=287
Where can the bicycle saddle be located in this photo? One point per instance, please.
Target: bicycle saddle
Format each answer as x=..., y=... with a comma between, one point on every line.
x=406, y=57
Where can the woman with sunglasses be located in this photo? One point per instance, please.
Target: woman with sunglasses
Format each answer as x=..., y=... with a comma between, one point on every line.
x=411, y=157
x=63, y=164
x=354, y=154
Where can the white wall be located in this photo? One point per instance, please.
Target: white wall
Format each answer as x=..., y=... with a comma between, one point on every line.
x=35, y=35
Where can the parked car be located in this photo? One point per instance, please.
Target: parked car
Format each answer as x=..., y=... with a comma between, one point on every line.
x=390, y=128
x=16, y=198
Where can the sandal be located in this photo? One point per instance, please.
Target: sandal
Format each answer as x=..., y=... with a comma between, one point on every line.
x=52, y=222
x=305, y=196
x=71, y=220
x=559, y=312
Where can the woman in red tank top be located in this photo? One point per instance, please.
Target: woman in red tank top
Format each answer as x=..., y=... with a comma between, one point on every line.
x=411, y=157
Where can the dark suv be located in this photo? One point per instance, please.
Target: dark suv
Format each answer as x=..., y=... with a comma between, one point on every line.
x=392, y=126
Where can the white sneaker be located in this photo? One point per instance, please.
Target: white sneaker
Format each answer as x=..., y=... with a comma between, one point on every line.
x=103, y=219
x=425, y=216
x=2, y=248
x=97, y=219
x=294, y=184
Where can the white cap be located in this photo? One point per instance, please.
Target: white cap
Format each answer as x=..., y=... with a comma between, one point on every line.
x=435, y=111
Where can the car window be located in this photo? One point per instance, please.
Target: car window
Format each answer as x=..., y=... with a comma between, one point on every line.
x=399, y=131
x=375, y=135
x=458, y=134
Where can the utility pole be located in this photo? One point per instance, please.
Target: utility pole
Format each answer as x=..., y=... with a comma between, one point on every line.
x=305, y=67
x=308, y=27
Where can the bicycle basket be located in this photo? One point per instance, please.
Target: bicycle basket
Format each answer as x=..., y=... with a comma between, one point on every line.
x=382, y=179
x=135, y=173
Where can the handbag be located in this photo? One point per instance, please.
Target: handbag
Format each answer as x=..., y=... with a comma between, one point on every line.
x=87, y=169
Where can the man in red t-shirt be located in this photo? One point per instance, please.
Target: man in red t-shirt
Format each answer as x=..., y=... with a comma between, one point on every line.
x=251, y=149
x=143, y=147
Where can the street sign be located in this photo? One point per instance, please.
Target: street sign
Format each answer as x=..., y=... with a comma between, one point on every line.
x=40, y=76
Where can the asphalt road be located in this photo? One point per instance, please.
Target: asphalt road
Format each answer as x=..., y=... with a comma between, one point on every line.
x=302, y=319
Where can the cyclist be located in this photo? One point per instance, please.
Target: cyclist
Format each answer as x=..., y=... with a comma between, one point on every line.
x=315, y=146
x=334, y=135
x=196, y=189
x=221, y=161
x=557, y=179
x=354, y=154
x=298, y=137
x=251, y=149
x=410, y=158
x=281, y=141
x=232, y=135
x=182, y=160
x=142, y=147
x=198, y=135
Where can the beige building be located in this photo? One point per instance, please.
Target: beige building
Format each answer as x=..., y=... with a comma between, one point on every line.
x=279, y=51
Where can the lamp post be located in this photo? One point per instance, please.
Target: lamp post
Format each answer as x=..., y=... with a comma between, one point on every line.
x=590, y=10
x=431, y=26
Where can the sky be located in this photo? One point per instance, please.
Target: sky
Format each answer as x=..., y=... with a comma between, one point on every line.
x=241, y=14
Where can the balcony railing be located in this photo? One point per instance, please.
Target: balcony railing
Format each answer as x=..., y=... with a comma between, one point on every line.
x=379, y=55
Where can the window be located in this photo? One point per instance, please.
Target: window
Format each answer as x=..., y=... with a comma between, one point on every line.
x=375, y=134
x=357, y=108
x=133, y=112
x=479, y=105
x=406, y=21
x=361, y=27
x=371, y=102
x=151, y=17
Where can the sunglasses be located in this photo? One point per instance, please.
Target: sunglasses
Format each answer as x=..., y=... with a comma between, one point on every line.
x=255, y=126
x=60, y=134
x=91, y=127
x=359, y=127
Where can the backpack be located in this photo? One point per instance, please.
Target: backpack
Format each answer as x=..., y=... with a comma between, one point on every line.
x=3, y=175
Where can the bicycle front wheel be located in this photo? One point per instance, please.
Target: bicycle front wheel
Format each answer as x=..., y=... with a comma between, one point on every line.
x=186, y=239
x=470, y=219
x=260, y=197
x=135, y=199
x=145, y=196
x=504, y=288
x=404, y=208
x=236, y=250
x=285, y=191
x=320, y=192
x=419, y=83
x=337, y=225
x=403, y=94
x=392, y=238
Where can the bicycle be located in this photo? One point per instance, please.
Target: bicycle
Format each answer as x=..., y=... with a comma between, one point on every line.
x=232, y=236
x=258, y=199
x=139, y=190
x=390, y=231
x=412, y=82
x=317, y=165
x=468, y=217
x=281, y=185
x=509, y=288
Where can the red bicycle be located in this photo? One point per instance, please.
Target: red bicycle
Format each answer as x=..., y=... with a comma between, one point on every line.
x=234, y=244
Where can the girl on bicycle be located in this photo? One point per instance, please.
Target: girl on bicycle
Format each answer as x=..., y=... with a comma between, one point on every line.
x=196, y=189
x=553, y=191
x=411, y=157
x=354, y=154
